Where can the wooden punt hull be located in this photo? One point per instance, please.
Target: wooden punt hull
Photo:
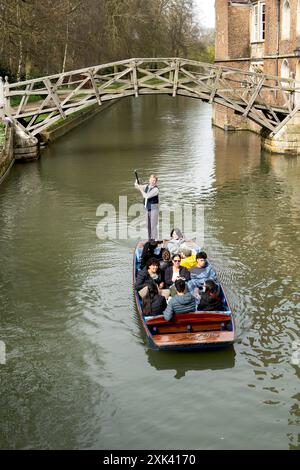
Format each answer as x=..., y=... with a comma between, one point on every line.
x=197, y=330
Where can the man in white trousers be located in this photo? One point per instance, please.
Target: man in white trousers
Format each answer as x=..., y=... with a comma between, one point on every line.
x=150, y=193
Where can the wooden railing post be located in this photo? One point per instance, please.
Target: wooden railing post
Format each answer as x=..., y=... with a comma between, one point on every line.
x=135, y=79
x=7, y=109
x=175, y=83
x=95, y=88
x=218, y=77
x=171, y=73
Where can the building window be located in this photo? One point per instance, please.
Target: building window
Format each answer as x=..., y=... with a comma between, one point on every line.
x=298, y=18
x=263, y=21
x=258, y=22
x=285, y=69
x=286, y=20
x=285, y=72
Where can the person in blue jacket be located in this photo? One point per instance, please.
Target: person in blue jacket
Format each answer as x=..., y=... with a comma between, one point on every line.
x=200, y=273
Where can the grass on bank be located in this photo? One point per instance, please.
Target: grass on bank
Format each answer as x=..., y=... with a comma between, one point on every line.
x=16, y=100
x=70, y=117
x=61, y=120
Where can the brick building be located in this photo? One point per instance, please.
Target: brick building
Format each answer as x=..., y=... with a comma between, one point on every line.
x=260, y=36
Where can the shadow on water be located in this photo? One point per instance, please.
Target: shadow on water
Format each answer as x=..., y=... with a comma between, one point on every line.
x=185, y=361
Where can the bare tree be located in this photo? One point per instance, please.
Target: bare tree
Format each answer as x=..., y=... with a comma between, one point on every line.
x=46, y=36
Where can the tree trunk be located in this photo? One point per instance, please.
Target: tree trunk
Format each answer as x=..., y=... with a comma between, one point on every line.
x=20, y=61
x=66, y=46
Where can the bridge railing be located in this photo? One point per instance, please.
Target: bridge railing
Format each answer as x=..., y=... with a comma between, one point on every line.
x=37, y=104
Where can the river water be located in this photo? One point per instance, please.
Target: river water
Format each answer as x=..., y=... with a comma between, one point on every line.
x=79, y=372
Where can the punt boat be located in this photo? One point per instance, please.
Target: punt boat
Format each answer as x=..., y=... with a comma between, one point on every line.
x=196, y=330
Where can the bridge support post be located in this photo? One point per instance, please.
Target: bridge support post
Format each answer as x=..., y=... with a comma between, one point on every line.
x=26, y=148
x=287, y=139
x=226, y=119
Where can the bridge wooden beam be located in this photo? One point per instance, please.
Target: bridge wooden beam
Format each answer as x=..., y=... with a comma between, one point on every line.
x=285, y=121
x=172, y=76
x=54, y=97
x=43, y=105
x=95, y=87
x=215, y=87
x=254, y=96
x=74, y=92
x=24, y=98
x=272, y=112
x=176, y=73
x=116, y=78
x=196, y=80
x=135, y=79
x=156, y=75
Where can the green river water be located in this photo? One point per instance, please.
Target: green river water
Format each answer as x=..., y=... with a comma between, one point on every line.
x=79, y=372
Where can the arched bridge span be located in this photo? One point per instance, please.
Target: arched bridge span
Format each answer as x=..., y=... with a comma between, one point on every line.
x=36, y=104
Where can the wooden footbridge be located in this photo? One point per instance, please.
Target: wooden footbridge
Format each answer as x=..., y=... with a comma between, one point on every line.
x=36, y=104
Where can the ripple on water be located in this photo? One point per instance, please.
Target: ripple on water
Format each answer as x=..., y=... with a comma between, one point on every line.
x=79, y=372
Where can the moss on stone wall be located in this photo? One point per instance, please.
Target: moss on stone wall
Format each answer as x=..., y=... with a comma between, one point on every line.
x=2, y=134
x=6, y=150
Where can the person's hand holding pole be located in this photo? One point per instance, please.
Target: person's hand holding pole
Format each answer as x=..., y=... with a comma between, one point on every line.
x=136, y=177
x=137, y=182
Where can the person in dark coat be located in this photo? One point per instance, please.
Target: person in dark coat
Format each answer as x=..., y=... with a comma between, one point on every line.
x=182, y=302
x=210, y=299
x=148, y=252
x=175, y=271
x=153, y=302
x=149, y=274
x=166, y=261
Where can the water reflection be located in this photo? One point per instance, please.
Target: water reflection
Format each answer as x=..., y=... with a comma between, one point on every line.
x=287, y=172
x=185, y=361
x=237, y=154
x=67, y=313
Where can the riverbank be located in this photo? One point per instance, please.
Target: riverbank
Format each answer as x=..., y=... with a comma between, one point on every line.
x=30, y=151
x=63, y=126
x=6, y=150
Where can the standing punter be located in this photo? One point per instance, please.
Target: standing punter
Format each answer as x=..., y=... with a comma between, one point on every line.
x=151, y=200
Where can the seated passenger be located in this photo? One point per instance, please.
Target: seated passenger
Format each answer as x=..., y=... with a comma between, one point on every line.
x=149, y=274
x=177, y=241
x=153, y=302
x=181, y=302
x=188, y=259
x=148, y=252
x=201, y=272
x=210, y=299
x=166, y=261
x=175, y=271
